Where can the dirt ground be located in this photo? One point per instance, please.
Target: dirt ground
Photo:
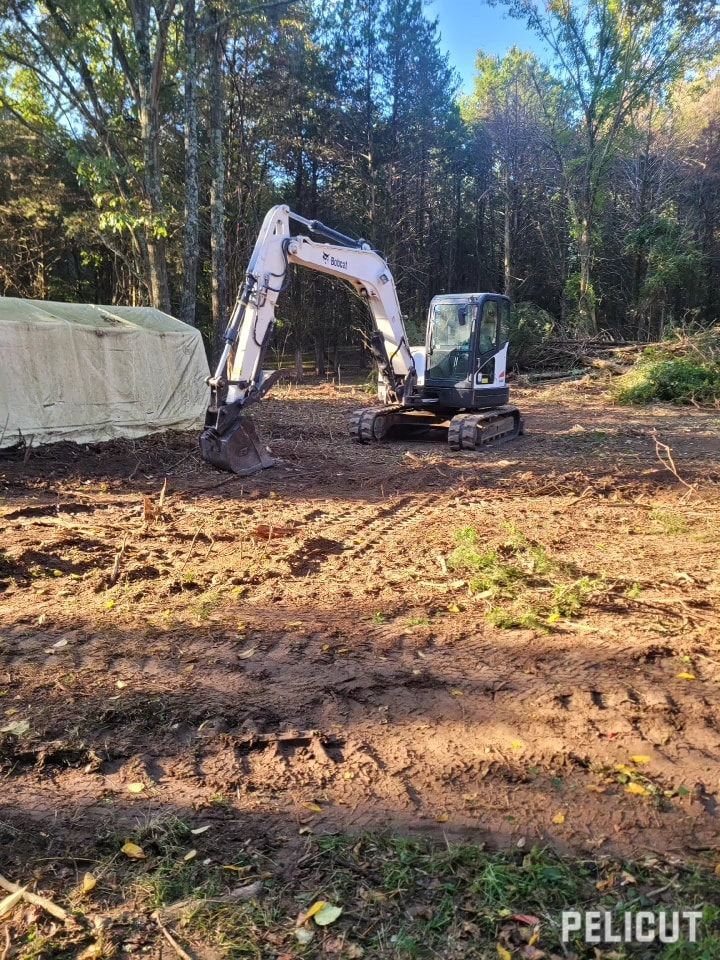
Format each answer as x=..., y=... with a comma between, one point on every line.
x=299, y=652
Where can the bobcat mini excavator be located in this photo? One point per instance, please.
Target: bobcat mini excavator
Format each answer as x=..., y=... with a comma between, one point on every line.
x=455, y=382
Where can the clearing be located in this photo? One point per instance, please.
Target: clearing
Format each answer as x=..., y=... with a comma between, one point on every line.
x=519, y=648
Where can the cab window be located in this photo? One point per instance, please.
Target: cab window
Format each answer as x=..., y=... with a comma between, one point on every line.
x=451, y=330
x=504, y=322
x=489, y=327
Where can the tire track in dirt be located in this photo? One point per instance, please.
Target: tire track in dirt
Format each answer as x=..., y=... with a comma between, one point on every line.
x=360, y=530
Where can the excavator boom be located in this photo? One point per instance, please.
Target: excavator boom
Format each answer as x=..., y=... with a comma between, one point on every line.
x=229, y=440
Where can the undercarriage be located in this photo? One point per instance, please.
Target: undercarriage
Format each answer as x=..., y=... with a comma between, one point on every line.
x=468, y=430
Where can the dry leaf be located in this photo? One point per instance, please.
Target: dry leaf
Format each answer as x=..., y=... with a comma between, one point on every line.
x=503, y=952
x=531, y=952
x=637, y=789
x=559, y=818
x=327, y=914
x=640, y=759
x=717, y=870
x=11, y=901
x=121, y=684
x=456, y=693
x=304, y=935
x=313, y=807
x=686, y=676
x=442, y=818
x=136, y=787
x=527, y=919
x=246, y=654
x=17, y=727
x=199, y=830
x=133, y=851
x=190, y=856
x=89, y=883
x=310, y=913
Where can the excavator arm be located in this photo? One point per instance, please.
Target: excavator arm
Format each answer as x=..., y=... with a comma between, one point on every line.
x=229, y=441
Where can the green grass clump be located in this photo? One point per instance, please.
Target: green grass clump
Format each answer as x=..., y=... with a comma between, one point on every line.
x=529, y=588
x=670, y=521
x=658, y=376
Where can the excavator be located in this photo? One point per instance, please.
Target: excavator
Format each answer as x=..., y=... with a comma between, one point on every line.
x=455, y=382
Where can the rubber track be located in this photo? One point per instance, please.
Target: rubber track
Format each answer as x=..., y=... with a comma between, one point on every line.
x=463, y=433
x=361, y=422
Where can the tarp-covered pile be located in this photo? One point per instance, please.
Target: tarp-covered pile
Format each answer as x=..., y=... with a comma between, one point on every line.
x=85, y=373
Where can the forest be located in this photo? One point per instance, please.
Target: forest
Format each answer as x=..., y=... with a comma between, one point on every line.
x=142, y=142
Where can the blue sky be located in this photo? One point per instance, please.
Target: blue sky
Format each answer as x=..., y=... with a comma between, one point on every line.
x=469, y=25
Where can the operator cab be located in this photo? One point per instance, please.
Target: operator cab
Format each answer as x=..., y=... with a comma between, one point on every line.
x=466, y=351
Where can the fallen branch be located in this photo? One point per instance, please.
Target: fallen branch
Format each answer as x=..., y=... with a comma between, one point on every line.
x=662, y=450
x=36, y=900
x=183, y=954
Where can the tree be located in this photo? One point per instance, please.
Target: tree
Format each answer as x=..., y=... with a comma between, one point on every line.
x=613, y=56
x=191, y=234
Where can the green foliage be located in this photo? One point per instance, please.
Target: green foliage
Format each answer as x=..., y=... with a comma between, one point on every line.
x=530, y=328
x=525, y=586
x=579, y=305
x=369, y=136
x=658, y=376
x=670, y=521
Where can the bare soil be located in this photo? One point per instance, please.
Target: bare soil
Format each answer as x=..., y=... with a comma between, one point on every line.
x=293, y=653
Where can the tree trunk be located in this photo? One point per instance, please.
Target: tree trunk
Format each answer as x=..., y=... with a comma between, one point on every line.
x=320, y=368
x=217, y=187
x=191, y=248
x=586, y=299
x=149, y=72
x=507, y=240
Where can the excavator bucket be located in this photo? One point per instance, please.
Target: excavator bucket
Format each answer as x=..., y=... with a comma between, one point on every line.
x=232, y=443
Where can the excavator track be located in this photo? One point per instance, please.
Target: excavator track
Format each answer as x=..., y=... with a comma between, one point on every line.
x=372, y=423
x=476, y=431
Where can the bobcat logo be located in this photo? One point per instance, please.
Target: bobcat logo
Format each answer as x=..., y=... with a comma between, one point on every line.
x=334, y=262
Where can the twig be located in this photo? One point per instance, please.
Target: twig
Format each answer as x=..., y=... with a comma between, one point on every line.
x=36, y=900
x=192, y=545
x=183, y=954
x=115, y=572
x=586, y=491
x=663, y=450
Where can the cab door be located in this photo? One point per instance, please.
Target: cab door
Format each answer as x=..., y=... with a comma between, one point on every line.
x=491, y=344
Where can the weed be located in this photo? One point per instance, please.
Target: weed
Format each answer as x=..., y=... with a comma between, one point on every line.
x=207, y=604
x=221, y=800
x=379, y=617
x=670, y=521
x=508, y=619
x=418, y=621
x=521, y=574
x=569, y=599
